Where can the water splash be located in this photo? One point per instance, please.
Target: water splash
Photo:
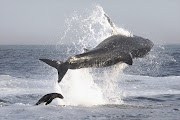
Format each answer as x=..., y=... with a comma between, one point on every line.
x=81, y=89
x=153, y=64
x=89, y=29
x=112, y=93
x=91, y=86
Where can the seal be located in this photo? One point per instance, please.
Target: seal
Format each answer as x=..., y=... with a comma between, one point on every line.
x=48, y=98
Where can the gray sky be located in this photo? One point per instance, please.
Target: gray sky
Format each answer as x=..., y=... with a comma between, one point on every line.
x=42, y=21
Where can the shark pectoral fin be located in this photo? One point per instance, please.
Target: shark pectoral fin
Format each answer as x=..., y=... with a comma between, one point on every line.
x=85, y=50
x=128, y=58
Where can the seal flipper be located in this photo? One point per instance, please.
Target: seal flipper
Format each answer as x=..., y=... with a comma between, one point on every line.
x=48, y=102
x=48, y=98
x=59, y=65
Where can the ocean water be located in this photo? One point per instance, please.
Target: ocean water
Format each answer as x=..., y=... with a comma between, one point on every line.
x=149, y=89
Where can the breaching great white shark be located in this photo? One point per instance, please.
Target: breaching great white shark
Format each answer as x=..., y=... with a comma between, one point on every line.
x=114, y=49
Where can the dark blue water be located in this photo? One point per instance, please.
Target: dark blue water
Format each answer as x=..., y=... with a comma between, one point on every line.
x=23, y=61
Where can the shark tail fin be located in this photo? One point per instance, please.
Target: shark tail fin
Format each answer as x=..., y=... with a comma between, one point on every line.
x=61, y=67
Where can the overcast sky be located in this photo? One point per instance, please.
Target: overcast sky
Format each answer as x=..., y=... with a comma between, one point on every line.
x=42, y=21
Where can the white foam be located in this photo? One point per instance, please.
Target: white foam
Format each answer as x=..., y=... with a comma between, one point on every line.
x=79, y=88
x=134, y=85
x=19, y=86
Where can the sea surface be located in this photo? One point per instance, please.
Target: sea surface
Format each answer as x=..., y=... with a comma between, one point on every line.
x=147, y=90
